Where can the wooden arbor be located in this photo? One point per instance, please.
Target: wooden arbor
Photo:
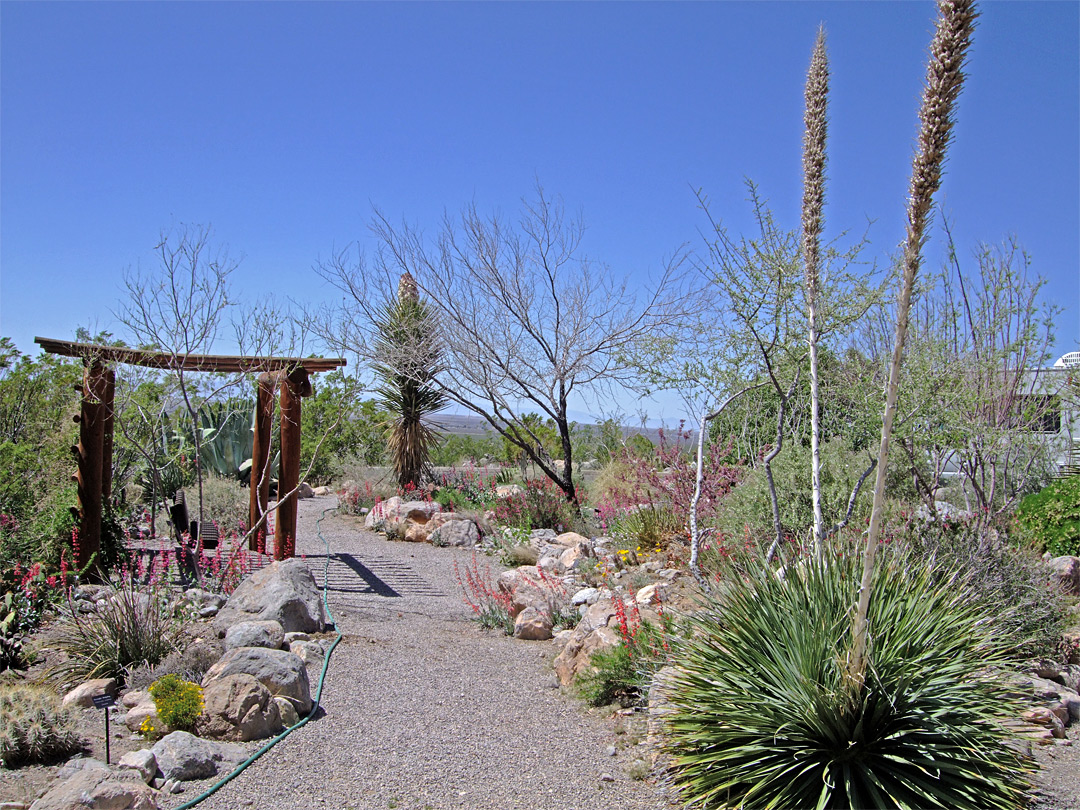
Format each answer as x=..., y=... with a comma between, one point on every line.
x=94, y=450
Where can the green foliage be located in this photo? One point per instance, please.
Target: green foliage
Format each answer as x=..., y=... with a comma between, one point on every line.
x=454, y=449
x=1008, y=583
x=34, y=727
x=748, y=507
x=339, y=426
x=765, y=714
x=623, y=673
x=409, y=352
x=227, y=436
x=532, y=424
x=178, y=702
x=135, y=625
x=37, y=400
x=541, y=505
x=1050, y=518
x=489, y=603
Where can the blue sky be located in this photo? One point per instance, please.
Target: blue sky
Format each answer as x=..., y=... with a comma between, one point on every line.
x=281, y=124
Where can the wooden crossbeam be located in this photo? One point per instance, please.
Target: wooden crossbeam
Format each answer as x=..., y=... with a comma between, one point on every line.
x=187, y=362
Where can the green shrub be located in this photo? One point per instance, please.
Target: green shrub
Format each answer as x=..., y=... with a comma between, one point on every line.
x=541, y=505
x=34, y=727
x=1050, y=518
x=765, y=714
x=623, y=673
x=178, y=702
x=1009, y=583
x=134, y=626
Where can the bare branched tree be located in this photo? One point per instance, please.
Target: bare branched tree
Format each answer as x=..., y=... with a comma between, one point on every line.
x=527, y=323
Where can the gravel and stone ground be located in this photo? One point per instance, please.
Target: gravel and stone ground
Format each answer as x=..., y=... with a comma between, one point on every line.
x=423, y=709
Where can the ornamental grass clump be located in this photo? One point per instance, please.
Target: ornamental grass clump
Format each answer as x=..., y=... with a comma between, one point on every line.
x=766, y=714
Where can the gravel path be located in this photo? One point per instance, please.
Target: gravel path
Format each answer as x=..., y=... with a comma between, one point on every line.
x=426, y=710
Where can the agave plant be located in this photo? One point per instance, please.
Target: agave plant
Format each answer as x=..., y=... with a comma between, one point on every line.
x=766, y=714
x=227, y=436
x=409, y=349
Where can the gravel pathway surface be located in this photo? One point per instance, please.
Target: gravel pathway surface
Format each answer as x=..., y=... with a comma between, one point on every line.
x=426, y=710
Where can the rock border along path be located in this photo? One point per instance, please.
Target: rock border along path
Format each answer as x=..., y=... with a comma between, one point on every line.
x=423, y=708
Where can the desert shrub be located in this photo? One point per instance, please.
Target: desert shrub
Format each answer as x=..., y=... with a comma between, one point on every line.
x=489, y=604
x=623, y=673
x=190, y=663
x=541, y=505
x=1050, y=518
x=135, y=625
x=766, y=715
x=1011, y=584
x=34, y=727
x=178, y=702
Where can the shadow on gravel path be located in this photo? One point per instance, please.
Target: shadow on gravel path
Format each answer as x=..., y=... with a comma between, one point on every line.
x=426, y=710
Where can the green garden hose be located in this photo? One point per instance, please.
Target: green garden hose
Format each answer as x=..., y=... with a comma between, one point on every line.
x=210, y=791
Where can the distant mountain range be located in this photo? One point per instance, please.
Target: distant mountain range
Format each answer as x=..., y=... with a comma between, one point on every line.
x=471, y=425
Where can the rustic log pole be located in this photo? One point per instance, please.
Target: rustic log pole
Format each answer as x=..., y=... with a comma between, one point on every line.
x=107, y=437
x=294, y=386
x=260, y=460
x=89, y=476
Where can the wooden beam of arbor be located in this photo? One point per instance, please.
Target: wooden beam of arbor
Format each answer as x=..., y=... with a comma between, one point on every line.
x=187, y=362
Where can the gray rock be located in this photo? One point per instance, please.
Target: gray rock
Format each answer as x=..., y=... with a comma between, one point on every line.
x=289, y=717
x=238, y=708
x=142, y=762
x=305, y=491
x=82, y=696
x=586, y=596
x=1065, y=574
x=284, y=592
x=310, y=652
x=98, y=789
x=269, y=634
x=282, y=673
x=183, y=757
x=291, y=637
x=77, y=764
x=461, y=533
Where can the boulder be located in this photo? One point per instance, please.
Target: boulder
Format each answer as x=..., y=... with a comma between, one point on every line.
x=143, y=709
x=289, y=717
x=320, y=491
x=183, y=757
x=238, y=708
x=143, y=762
x=650, y=595
x=570, y=558
x=576, y=656
x=282, y=673
x=310, y=652
x=533, y=625
x=82, y=696
x=585, y=596
x=571, y=539
x=284, y=592
x=508, y=490
x=526, y=588
x=98, y=789
x=305, y=491
x=269, y=634
x=456, y=533
x=394, y=513
x=1065, y=574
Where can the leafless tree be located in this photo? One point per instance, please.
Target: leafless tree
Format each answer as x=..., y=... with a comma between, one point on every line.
x=527, y=323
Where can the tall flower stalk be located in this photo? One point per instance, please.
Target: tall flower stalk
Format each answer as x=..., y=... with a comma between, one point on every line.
x=944, y=81
x=813, y=203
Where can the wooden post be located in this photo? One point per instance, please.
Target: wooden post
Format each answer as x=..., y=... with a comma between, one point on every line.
x=294, y=386
x=260, y=460
x=89, y=454
x=107, y=438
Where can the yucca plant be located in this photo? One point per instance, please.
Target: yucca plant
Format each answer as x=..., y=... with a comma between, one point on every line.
x=766, y=714
x=135, y=625
x=408, y=347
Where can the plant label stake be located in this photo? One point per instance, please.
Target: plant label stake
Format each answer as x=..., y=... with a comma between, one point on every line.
x=104, y=702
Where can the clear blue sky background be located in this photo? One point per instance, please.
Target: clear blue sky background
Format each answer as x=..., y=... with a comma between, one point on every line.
x=282, y=123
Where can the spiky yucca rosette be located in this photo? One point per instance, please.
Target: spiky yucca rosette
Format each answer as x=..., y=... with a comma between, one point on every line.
x=766, y=717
